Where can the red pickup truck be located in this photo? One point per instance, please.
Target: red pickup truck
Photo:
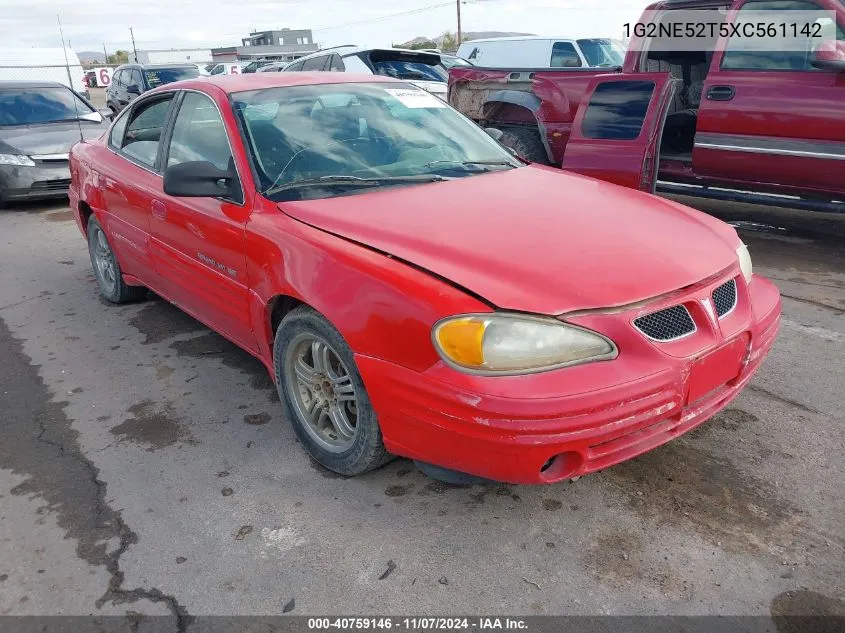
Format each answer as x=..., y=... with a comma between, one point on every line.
x=720, y=122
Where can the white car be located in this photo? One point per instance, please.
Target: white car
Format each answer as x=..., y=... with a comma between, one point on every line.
x=543, y=52
x=419, y=68
x=227, y=68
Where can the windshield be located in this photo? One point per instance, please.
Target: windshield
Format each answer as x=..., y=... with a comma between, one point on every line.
x=160, y=76
x=30, y=106
x=341, y=132
x=602, y=52
x=450, y=61
x=407, y=70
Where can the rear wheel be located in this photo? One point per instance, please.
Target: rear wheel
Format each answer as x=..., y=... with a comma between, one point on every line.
x=107, y=269
x=527, y=144
x=327, y=404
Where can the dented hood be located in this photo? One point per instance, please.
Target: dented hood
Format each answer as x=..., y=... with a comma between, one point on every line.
x=534, y=239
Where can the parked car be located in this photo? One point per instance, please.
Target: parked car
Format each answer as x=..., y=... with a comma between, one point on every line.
x=131, y=80
x=543, y=52
x=412, y=287
x=256, y=65
x=419, y=68
x=721, y=122
x=39, y=121
x=43, y=64
x=275, y=67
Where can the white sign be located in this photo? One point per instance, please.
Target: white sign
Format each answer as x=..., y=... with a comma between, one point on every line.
x=416, y=98
x=103, y=76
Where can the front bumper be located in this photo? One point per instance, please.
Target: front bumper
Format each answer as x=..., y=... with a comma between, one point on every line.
x=47, y=179
x=546, y=427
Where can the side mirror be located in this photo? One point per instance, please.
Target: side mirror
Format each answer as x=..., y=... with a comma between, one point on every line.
x=830, y=55
x=494, y=133
x=198, y=179
x=106, y=113
x=133, y=89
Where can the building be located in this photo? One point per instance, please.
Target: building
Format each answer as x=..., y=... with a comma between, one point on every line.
x=284, y=44
x=173, y=56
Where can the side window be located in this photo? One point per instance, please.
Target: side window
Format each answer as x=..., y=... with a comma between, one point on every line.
x=315, y=63
x=137, y=79
x=199, y=134
x=337, y=64
x=144, y=127
x=217, y=69
x=295, y=67
x=355, y=64
x=118, y=129
x=738, y=57
x=117, y=80
x=564, y=55
x=617, y=110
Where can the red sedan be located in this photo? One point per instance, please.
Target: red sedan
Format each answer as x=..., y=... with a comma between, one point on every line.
x=413, y=288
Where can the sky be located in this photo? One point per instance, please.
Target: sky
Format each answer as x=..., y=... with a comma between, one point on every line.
x=88, y=24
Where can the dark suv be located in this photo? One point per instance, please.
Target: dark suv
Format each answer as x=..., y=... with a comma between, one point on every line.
x=131, y=80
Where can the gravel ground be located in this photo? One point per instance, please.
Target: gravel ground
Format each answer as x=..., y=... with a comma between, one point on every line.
x=146, y=466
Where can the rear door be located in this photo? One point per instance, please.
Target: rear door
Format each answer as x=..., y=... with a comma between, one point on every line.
x=616, y=132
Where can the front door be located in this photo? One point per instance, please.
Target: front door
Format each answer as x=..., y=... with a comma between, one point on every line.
x=770, y=118
x=616, y=132
x=198, y=243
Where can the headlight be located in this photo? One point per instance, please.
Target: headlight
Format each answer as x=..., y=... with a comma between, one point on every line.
x=516, y=344
x=745, y=262
x=16, y=159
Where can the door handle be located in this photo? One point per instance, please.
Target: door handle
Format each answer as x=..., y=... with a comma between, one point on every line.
x=159, y=210
x=721, y=93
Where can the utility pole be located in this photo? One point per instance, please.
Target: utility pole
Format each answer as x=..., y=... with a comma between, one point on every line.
x=459, y=22
x=134, y=50
x=106, y=58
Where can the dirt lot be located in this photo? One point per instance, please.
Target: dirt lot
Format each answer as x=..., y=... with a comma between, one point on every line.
x=146, y=466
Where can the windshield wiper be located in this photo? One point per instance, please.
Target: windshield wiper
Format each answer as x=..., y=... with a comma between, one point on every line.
x=502, y=163
x=354, y=181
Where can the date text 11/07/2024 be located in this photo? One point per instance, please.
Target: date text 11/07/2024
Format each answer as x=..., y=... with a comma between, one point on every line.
x=417, y=623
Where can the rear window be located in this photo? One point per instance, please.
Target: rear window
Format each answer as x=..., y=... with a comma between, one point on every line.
x=408, y=66
x=160, y=76
x=30, y=106
x=617, y=110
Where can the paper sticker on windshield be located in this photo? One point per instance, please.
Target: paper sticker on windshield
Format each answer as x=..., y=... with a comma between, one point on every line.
x=416, y=98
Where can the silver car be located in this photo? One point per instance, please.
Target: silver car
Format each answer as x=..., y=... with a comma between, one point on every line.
x=39, y=121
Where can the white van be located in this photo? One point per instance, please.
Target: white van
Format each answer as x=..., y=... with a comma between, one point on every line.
x=43, y=64
x=543, y=52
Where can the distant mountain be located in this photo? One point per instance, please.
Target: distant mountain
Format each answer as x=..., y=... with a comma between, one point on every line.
x=91, y=56
x=470, y=35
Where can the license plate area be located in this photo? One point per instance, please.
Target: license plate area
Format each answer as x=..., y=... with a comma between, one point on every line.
x=716, y=368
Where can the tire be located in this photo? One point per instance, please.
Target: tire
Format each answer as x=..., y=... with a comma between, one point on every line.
x=327, y=438
x=107, y=269
x=526, y=143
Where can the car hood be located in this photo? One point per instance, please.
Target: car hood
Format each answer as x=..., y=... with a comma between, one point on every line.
x=47, y=138
x=534, y=239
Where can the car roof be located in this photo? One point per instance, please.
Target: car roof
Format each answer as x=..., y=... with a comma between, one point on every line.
x=352, y=49
x=261, y=81
x=30, y=84
x=516, y=38
x=155, y=66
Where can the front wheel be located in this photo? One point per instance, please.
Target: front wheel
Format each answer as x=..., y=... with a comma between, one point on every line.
x=107, y=269
x=527, y=144
x=327, y=404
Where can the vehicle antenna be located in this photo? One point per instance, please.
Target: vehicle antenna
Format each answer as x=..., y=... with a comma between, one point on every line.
x=70, y=79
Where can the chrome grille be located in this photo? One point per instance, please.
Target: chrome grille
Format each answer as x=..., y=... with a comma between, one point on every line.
x=60, y=184
x=666, y=325
x=724, y=298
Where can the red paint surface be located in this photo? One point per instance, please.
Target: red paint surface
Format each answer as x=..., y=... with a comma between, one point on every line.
x=384, y=267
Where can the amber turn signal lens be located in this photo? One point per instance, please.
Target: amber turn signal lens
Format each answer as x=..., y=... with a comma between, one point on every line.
x=461, y=340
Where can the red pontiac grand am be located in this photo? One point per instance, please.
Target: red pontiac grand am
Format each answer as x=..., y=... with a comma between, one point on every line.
x=413, y=288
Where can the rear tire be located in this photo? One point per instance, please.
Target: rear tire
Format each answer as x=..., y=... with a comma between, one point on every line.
x=527, y=144
x=107, y=269
x=327, y=404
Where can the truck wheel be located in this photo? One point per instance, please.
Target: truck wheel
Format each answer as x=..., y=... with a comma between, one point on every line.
x=526, y=143
x=326, y=401
x=107, y=270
